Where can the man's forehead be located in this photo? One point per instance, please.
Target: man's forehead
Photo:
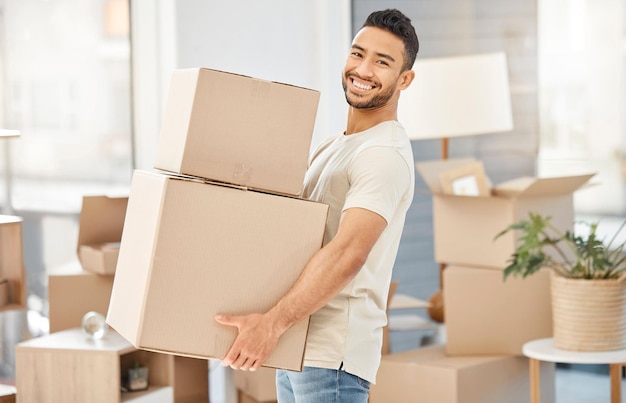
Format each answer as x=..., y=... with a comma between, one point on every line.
x=374, y=39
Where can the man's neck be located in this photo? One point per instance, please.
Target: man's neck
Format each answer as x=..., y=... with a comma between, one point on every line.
x=362, y=119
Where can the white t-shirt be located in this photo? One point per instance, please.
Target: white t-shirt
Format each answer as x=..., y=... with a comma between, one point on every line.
x=373, y=170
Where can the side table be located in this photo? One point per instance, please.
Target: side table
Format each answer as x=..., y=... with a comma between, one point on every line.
x=544, y=350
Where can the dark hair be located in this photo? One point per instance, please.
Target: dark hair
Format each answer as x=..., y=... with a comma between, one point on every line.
x=400, y=25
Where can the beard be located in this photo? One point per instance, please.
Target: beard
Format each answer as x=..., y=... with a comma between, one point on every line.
x=367, y=103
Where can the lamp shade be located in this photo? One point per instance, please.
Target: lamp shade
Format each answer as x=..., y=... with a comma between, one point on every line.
x=457, y=96
x=9, y=133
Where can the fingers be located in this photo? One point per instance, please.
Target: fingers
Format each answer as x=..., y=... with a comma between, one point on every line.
x=240, y=362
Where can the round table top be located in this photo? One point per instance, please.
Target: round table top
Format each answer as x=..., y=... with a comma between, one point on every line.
x=544, y=350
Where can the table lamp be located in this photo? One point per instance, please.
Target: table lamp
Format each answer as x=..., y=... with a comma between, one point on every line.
x=452, y=97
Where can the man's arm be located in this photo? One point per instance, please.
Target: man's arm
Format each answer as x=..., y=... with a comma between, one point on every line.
x=330, y=269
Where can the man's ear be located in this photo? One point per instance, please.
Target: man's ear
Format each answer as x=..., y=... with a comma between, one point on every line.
x=406, y=78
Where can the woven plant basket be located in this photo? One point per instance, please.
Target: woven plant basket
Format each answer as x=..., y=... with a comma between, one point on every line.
x=588, y=315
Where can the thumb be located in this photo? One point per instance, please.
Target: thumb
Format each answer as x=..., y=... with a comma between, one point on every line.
x=227, y=320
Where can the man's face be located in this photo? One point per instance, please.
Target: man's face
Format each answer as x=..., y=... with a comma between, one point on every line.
x=372, y=70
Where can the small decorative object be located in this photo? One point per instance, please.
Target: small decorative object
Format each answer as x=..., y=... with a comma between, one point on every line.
x=588, y=282
x=136, y=378
x=94, y=325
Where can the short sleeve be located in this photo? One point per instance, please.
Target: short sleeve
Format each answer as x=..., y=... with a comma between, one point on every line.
x=379, y=178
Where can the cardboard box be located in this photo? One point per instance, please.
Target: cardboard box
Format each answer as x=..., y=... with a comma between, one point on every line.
x=427, y=375
x=100, y=231
x=237, y=129
x=242, y=397
x=71, y=296
x=192, y=249
x=257, y=387
x=486, y=315
x=465, y=226
x=12, y=263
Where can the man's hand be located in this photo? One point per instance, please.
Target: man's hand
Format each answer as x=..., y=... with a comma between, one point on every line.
x=254, y=343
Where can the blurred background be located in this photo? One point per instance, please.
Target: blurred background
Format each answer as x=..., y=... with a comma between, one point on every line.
x=85, y=83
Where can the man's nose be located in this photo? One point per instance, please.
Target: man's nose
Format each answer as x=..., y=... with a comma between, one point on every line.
x=364, y=69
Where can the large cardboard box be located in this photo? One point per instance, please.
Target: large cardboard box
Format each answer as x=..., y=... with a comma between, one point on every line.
x=465, y=226
x=427, y=375
x=237, y=129
x=72, y=295
x=192, y=249
x=257, y=387
x=486, y=315
x=100, y=232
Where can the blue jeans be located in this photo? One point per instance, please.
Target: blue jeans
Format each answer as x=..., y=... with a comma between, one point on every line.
x=320, y=385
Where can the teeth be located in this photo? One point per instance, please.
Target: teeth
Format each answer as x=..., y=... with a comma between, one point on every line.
x=362, y=86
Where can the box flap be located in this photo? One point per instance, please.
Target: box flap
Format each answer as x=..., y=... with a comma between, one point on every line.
x=430, y=170
x=533, y=187
x=101, y=220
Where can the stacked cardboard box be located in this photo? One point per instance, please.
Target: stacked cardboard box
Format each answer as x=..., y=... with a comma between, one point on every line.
x=484, y=316
x=99, y=234
x=219, y=227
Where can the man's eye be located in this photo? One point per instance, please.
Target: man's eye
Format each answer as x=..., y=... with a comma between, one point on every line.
x=357, y=54
x=384, y=63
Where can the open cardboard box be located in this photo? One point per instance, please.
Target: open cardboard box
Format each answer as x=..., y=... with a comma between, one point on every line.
x=237, y=129
x=465, y=226
x=192, y=249
x=100, y=231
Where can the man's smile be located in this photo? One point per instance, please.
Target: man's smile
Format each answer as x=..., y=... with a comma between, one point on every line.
x=360, y=84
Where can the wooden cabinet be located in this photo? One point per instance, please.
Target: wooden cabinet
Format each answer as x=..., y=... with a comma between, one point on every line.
x=68, y=367
x=11, y=264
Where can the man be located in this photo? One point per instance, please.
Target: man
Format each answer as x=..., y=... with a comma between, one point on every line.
x=366, y=176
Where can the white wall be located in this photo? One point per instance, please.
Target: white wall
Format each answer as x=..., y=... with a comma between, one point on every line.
x=296, y=42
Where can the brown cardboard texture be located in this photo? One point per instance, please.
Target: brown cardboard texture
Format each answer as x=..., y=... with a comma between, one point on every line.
x=465, y=226
x=71, y=296
x=427, y=375
x=191, y=250
x=486, y=315
x=12, y=266
x=100, y=231
x=259, y=385
x=237, y=129
x=242, y=397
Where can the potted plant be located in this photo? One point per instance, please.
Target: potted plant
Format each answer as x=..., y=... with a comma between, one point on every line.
x=588, y=283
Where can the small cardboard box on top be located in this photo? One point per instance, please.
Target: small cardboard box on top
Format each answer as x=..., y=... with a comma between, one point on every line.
x=465, y=226
x=237, y=129
x=192, y=249
x=100, y=232
x=428, y=375
x=485, y=315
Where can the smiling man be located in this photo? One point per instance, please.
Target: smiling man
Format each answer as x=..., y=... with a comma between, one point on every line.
x=366, y=176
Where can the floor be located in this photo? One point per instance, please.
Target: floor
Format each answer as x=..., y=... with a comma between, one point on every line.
x=584, y=384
